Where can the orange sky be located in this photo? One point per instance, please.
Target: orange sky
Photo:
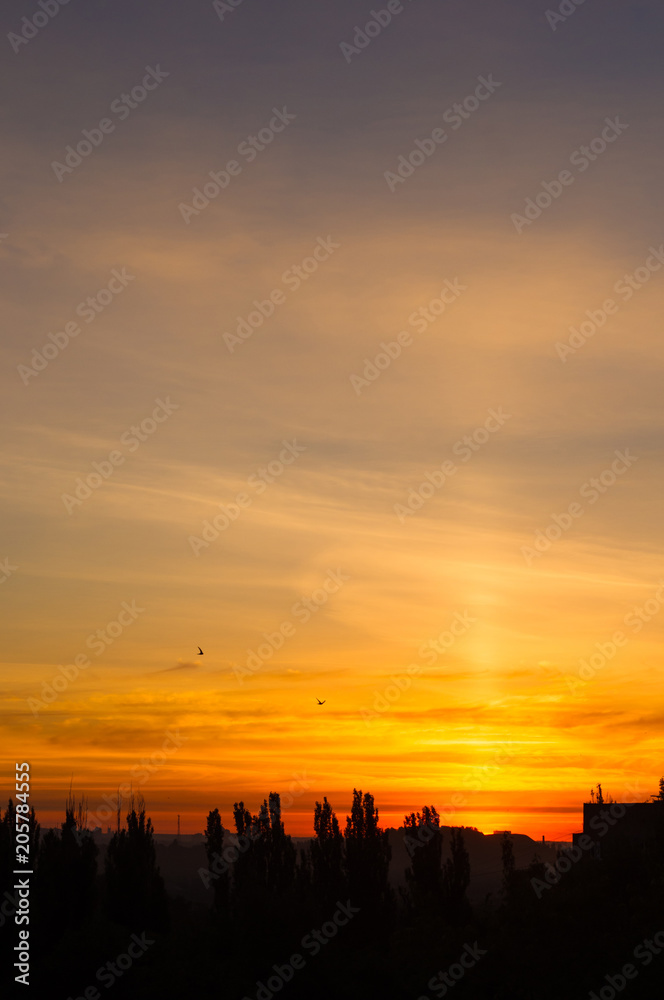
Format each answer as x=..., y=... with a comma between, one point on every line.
x=501, y=687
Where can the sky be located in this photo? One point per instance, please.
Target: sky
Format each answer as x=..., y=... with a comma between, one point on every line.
x=374, y=417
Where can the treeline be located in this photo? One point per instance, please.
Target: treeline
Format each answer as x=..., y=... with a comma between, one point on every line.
x=261, y=864
x=72, y=901
x=324, y=920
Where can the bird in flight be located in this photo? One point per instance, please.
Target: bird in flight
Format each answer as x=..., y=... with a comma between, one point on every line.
x=321, y=702
x=200, y=651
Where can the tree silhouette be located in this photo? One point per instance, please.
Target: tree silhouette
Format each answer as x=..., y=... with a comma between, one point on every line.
x=367, y=860
x=214, y=844
x=507, y=852
x=263, y=889
x=424, y=877
x=456, y=877
x=66, y=872
x=7, y=847
x=135, y=894
x=8, y=828
x=567, y=909
x=266, y=864
x=326, y=856
x=9, y=900
x=246, y=879
x=281, y=853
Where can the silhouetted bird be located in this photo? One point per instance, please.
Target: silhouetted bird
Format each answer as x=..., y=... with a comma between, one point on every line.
x=320, y=702
x=200, y=651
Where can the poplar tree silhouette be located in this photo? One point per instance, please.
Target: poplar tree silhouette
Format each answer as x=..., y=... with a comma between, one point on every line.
x=281, y=852
x=8, y=841
x=424, y=877
x=9, y=900
x=135, y=894
x=266, y=864
x=263, y=883
x=367, y=857
x=66, y=872
x=568, y=911
x=245, y=886
x=214, y=844
x=456, y=877
x=326, y=855
x=7, y=847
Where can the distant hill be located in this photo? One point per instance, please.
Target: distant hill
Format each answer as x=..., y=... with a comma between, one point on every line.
x=484, y=850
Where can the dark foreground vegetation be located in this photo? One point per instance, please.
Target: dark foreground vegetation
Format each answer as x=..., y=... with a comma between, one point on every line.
x=324, y=921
